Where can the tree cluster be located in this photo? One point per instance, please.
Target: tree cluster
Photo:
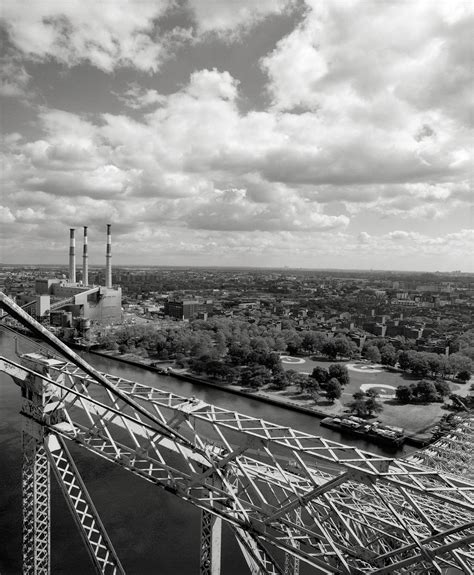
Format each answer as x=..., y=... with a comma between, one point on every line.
x=422, y=364
x=365, y=404
x=425, y=391
x=332, y=379
x=379, y=351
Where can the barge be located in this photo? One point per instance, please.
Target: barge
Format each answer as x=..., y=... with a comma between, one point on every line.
x=376, y=432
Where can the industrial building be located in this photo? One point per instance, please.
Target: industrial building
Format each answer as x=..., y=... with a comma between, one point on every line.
x=68, y=301
x=188, y=309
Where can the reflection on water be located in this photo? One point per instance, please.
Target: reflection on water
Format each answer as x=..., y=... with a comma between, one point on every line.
x=153, y=531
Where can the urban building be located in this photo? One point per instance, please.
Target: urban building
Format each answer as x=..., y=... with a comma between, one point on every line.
x=187, y=309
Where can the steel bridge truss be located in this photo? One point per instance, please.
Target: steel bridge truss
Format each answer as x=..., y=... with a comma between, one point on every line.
x=337, y=508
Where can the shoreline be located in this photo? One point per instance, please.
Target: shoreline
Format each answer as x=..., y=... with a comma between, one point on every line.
x=413, y=439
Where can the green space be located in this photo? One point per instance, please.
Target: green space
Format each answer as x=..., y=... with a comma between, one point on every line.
x=414, y=418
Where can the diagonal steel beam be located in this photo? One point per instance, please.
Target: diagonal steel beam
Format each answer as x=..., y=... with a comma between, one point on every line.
x=85, y=515
x=37, y=329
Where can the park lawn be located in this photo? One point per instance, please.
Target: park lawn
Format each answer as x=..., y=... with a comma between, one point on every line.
x=356, y=379
x=414, y=418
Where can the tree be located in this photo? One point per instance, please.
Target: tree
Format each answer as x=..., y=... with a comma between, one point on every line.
x=403, y=394
x=255, y=376
x=427, y=391
x=404, y=360
x=310, y=341
x=238, y=353
x=302, y=382
x=163, y=354
x=388, y=355
x=344, y=347
x=329, y=349
x=259, y=344
x=372, y=406
x=314, y=388
x=459, y=362
x=272, y=361
x=333, y=390
x=339, y=371
x=373, y=354
x=294, y=341
x=442, y=388
x=320, y=374
x=358, y=405
x=280, y=380
x=464, y=375
x=419, y=365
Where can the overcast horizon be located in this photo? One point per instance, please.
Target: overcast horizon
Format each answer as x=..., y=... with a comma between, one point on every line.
x=318, y=134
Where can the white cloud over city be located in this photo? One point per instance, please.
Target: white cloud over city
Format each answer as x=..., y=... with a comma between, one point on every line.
x=345, y=142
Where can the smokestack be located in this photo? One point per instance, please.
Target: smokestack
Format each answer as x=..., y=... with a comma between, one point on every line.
x=85, y=261
x=108, y=259
x=72, y=257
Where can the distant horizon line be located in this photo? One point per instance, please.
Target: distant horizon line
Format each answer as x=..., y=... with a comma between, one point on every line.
x=247, y=267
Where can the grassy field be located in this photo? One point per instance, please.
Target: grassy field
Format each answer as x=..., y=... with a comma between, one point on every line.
x=413, y=418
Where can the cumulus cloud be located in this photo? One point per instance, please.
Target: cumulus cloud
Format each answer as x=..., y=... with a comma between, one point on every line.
x=365, y=53
x=117, y=33
x=234, y=210
x=205, y=165
x=105, y=34
x=384, y=87
x=138, y=98
x=233, y=17
x=362, y=120
x=14, y=79
x=409, y=243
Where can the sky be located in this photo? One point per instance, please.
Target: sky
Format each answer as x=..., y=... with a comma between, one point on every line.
x=277, y=133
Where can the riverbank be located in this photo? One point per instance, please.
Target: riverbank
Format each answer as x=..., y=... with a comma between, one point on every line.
x=289, y=398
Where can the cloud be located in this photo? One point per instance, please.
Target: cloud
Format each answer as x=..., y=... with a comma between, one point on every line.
x=138, y=98
x=234, y=210
x=195, y=160
x=349, y=58
x=124, y=33
x=14, y=79
x=229, y=19
x=105, y=34
x=409, y=242
x=383, y=88
x=360, y=123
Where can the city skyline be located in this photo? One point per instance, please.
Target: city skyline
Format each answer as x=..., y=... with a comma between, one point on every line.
x=272, y=134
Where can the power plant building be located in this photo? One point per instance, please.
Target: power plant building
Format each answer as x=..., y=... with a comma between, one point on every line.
x=101, y=304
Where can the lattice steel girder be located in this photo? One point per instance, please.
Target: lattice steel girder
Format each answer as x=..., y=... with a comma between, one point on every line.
x=204, y=498
x=36, y=507
x=292, y=563
x=90, y=526
x=452, y=453
x=333, y=534
x=211, y=541
x=258, y=558
x=303, y=448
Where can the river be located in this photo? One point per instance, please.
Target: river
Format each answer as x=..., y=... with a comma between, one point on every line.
x=152, y=531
